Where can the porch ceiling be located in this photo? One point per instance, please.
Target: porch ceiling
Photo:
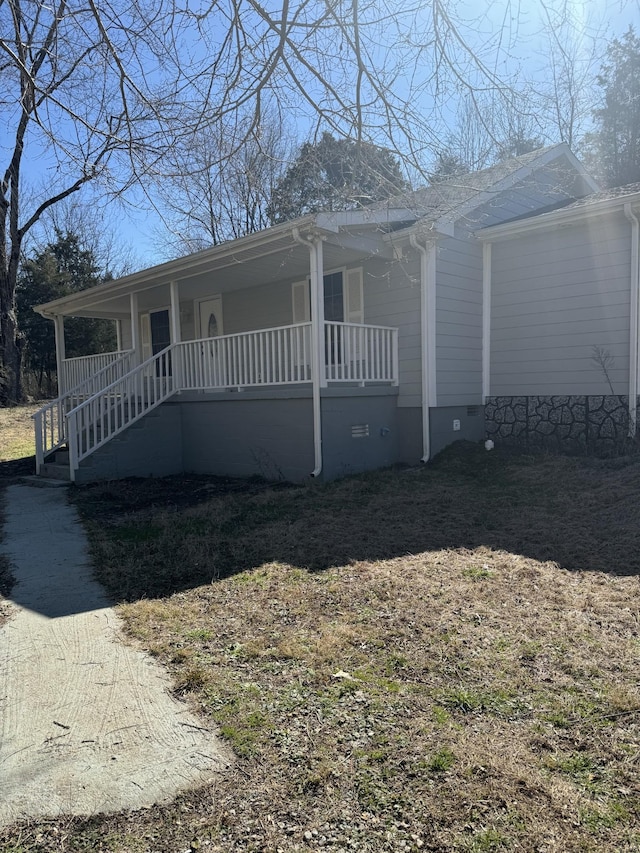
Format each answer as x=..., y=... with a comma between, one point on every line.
x=264, y=258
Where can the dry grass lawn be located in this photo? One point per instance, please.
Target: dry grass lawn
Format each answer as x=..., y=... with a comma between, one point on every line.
x=442, y=659
x=16, y=432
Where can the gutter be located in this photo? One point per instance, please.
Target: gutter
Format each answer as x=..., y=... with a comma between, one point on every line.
x=634, y=290
x=315, y=262
x=427, y=299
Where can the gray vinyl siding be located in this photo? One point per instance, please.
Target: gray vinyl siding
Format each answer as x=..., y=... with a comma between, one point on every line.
x=257, y=308
x=459, y=321
x=555, y=296
x=392, y=298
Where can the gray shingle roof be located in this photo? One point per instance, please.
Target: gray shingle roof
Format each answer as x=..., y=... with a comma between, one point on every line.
x=443, y=198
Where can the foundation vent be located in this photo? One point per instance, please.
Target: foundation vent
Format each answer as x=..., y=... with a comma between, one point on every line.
x=473, y=411
x=360, y=431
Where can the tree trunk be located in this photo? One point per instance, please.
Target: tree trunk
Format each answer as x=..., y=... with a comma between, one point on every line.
x=11, y=346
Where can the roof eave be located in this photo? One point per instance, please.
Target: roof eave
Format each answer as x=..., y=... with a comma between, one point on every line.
x=556, y=218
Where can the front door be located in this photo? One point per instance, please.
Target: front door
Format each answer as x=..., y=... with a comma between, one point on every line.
x=210, y=311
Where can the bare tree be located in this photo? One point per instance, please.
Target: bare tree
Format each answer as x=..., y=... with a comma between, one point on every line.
x=209, y=189
x=572, y=58
x=100, y=92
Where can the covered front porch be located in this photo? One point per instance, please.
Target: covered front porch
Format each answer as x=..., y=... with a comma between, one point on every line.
x=194, y=326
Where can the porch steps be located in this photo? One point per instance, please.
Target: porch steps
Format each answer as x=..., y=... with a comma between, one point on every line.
x=137, y=440
x=57, y=467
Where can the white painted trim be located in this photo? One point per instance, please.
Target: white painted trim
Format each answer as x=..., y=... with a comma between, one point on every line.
x=176, y=334
x=427, y=335
x=634, y=292
x=135, y=333
x=486, y=321
x=58, y=321
x=318, y=372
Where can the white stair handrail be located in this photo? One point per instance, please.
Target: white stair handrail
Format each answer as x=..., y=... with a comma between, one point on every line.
x=98, y=419
x=50, y=422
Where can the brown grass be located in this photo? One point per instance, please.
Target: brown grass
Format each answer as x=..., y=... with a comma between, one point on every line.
x=442, y=659
x=16, y=432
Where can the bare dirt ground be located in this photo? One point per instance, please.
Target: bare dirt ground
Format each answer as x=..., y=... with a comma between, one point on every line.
x=442, y=659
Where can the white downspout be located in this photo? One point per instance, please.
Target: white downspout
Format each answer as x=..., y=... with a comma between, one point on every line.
x=317, y=341
x=486, y=322
x=427, y=312
x=58, y=322
x=633, y=318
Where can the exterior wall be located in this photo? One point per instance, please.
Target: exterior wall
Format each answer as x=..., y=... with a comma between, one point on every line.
x=392, y=298
x=410, y=449
x=152, y=447
x=240, y=435
x=344, y=454
x=257, y=308
x=459, y=321
x=575, y=424
x=555, y=297
x=441, y=422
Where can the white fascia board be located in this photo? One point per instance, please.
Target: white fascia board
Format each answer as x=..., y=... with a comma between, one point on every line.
x=556, y=218
x=170, y=270
x=510, y=180
x=424, y=229
x=354, y=218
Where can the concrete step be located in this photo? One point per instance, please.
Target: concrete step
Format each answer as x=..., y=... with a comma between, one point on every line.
x=61, y=457
x=53, y=471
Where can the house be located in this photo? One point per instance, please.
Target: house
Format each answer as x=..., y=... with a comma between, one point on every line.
x=562, y=357
x=335, y=343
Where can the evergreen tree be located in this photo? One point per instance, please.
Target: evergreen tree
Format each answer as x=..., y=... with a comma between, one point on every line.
x=335, y=174
x=615, y=145
x=61, y=268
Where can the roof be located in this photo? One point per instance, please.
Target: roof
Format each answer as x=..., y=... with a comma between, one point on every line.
x=450, y=200
x=595, y=204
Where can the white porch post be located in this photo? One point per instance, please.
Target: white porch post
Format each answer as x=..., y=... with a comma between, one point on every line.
x=318, y=361
x=58, y=321
x=486, y=322
x=427, y=253
x=135, y=334
x=119, y=335
x=175, y=313
x=175, y=336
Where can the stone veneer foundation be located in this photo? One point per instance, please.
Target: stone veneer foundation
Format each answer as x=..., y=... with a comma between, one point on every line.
x=576, y=424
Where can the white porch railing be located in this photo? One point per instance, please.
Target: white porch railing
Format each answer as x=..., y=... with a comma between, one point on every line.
x=76, y=371
x=50, y=421
x=358, y=353
x=103, y=406
x=279, y=356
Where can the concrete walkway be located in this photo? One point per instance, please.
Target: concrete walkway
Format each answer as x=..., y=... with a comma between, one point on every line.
x=87, y=723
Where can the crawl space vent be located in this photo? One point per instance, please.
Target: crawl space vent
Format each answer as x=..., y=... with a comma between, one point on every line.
x=473, y=411
x=360, y=431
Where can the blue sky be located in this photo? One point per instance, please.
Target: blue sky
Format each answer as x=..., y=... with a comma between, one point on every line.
x=512, y=26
